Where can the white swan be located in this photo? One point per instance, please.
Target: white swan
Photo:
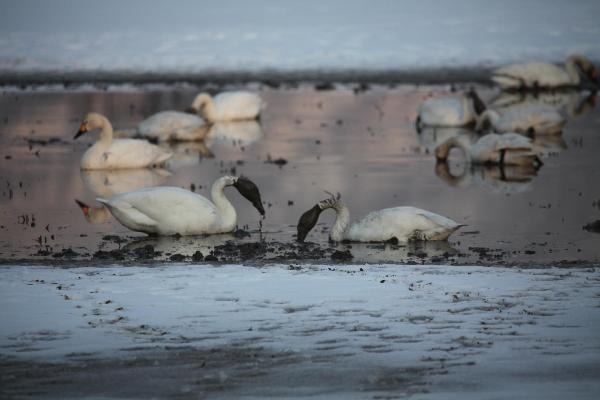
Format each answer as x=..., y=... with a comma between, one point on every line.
x=505, y=149
x=430, y=137
x=119, y=153
x=171, y=210
x=172, y=126
x=573, y=103
x=228, y=106
x=403, y=224
x=525, y=119
x=450, y=111
x=544, y=75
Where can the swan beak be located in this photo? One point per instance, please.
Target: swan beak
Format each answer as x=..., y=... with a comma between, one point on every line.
x=307, y=221
x=84, y=207
x=82, y=129
x=248, y=189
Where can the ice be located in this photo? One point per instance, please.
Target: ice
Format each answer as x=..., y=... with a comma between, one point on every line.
x=191, y=36
x=468, y=330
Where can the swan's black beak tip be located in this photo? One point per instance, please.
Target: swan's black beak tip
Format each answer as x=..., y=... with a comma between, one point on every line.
x=250, y=191
x=307, y=221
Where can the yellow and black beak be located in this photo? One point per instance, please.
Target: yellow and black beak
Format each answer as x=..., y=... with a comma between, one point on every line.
x=82, y=129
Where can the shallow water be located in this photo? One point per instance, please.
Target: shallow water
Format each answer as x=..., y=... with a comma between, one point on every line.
x=362, y=144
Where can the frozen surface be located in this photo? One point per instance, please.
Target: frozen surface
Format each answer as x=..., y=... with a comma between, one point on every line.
x=191, y=36
x=325, y=331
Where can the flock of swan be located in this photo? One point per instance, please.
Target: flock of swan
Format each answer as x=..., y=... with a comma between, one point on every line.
x=174, y=211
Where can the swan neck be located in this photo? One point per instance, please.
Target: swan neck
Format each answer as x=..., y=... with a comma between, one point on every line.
x=571, y=68
x=223, y=205
x=342, y=218
x=206, y=105
x=106, y=133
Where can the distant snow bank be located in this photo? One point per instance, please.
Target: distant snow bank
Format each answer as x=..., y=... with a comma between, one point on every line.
x=191, y=37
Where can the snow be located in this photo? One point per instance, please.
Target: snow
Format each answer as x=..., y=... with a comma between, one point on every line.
x=536, y=329
x=193, y=36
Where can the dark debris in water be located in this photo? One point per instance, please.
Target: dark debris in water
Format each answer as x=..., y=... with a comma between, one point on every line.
x=593, y=226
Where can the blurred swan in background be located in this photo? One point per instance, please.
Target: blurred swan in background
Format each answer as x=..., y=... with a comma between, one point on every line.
x=239, y=133
x=431, y=137
x=172, y=126
x=457, y=110
x=171, y=210
x=107, y=153
x=403, y=224
x=573, y=103
x=533, y=75
x=228, y=106
x=505, y=149
x=524, y=119
x=506, y=179
x=107, y=183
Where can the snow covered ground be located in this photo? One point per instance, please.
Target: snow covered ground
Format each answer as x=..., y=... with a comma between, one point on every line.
x=189, y=36
x=282, y=331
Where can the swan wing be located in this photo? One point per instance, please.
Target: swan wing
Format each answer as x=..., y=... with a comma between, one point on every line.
x=238, y=105
x=531, y=74
x=446, y=111
x=172, y=125
x=402, y=223
x=487, y=149
x=133, y=153
x=172, y=210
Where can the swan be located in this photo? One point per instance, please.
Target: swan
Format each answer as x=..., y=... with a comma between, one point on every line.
x=572, y=103
x=505, y=149
x=171, y=210
x=523, y=119
x=534, y=75
x=167, y=126
x=450, y=111
x=227, y=106
x=403, y=224
x=431, y=137
x=119, y=153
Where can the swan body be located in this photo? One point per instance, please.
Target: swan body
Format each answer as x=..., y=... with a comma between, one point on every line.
x=544, y=75
x=171, y=210
x=505, y=149
x=451, y=111
x=401, y=223
x=228, y=106
x=524, y=119
x=172, y=126
x=118, y=153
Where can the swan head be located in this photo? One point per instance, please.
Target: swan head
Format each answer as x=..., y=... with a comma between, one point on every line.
x=309, y=219
x=586, y=67
x=200, y=101
x=478, y=104
x=90, y=122
x=249, y=190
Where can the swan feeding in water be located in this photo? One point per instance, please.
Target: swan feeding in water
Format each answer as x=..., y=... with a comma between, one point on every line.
x=168, y=211
x=107, y=153
x=540, y=75
x=451, y=111
x=528, y=119
x=505, y=149
x=227, y=106
x=403, y=224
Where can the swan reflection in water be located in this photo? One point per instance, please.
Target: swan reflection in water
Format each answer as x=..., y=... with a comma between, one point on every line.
x=185, y=245
x=572, y=103
x=107, y=183
x=400, y=253
x=239, y=133
x=186, y=154
x=506, y=179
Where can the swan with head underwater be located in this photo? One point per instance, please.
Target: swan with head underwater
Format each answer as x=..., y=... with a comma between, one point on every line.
x=542, y=75
x=403, y=224
x=461, y=110
x=109, y=153
x=228, y=106
x=166, y=211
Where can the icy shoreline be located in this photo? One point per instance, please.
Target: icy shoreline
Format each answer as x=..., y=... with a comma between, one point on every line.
x=302, y=330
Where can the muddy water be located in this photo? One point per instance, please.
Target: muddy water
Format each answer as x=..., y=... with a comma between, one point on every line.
x=363, y=145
